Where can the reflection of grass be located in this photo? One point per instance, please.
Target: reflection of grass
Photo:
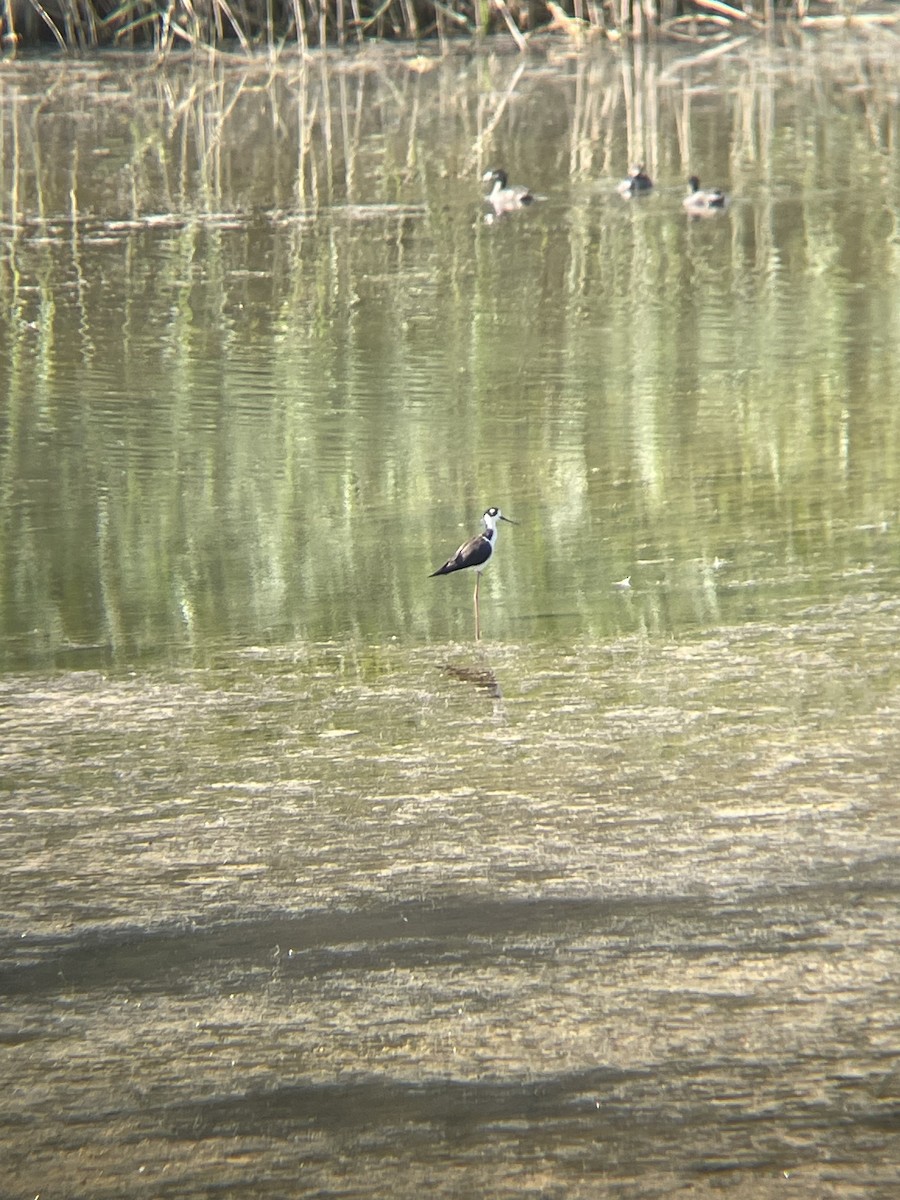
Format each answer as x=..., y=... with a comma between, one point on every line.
x=249, y=24
x=251, y=313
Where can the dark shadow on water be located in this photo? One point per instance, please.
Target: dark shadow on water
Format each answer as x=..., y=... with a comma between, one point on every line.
x=661, y=1101
x=641, y=1122
x=455, y=1107
x=465, y=931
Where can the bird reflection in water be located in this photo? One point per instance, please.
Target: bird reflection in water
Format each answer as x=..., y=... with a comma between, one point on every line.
x=479, y=677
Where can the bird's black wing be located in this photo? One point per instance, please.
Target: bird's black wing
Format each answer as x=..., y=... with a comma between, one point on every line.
x=470, y=554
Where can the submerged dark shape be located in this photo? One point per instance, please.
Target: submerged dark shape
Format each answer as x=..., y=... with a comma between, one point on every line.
x=698, y=201
x=480, y=677
x=506, y=197
x=637, y=182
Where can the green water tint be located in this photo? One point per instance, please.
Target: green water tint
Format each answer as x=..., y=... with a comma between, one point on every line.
x=261, y=375
x=304, y=891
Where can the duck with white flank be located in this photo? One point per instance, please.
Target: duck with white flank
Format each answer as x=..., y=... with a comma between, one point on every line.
x=504, y=196
x=698, y=201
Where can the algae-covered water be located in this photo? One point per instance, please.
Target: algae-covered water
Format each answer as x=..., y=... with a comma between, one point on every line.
x=305, y=891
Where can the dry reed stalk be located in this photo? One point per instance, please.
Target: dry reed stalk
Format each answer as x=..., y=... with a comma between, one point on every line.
x=86, y=25
x=441, y=31
x=450, y=14
x=212, y=24
x=412, y=24
x=598, y=17
x=226, y=10
x=726, y=10
x=477, y=150
x=357, y=20
x=513, y=28
x=50, y=23
x=705, y=56
x=571, y=27
x=300, y=25
x=851, y=21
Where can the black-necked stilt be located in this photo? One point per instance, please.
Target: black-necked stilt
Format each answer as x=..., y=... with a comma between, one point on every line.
x=698, y=201
x=505, y=197
x=476, y=553
x=637, y=183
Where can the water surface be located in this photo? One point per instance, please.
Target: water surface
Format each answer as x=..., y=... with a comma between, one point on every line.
x=306, y=893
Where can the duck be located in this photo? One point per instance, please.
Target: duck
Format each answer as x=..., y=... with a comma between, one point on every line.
x=699, y=201
x=637, y=183
x=502, y=196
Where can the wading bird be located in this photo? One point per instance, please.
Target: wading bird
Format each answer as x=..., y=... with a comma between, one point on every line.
x=476, y=553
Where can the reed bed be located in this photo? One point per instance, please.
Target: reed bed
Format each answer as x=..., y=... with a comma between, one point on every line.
x=163, y=26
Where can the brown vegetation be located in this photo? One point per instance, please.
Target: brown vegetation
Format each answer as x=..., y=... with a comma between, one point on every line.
x=166, y=25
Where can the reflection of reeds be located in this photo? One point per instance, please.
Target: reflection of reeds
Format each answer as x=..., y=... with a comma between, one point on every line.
x=249, y=24
x=246, y=312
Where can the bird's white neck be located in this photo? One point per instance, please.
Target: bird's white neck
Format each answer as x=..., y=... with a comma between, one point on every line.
x=491, y=528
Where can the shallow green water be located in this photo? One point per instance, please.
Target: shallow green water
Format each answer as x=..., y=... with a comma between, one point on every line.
x=269, y=364
x=304, y=891
x=621, y=918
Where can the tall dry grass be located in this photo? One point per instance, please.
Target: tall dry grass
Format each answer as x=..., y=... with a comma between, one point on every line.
x=163, y=26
